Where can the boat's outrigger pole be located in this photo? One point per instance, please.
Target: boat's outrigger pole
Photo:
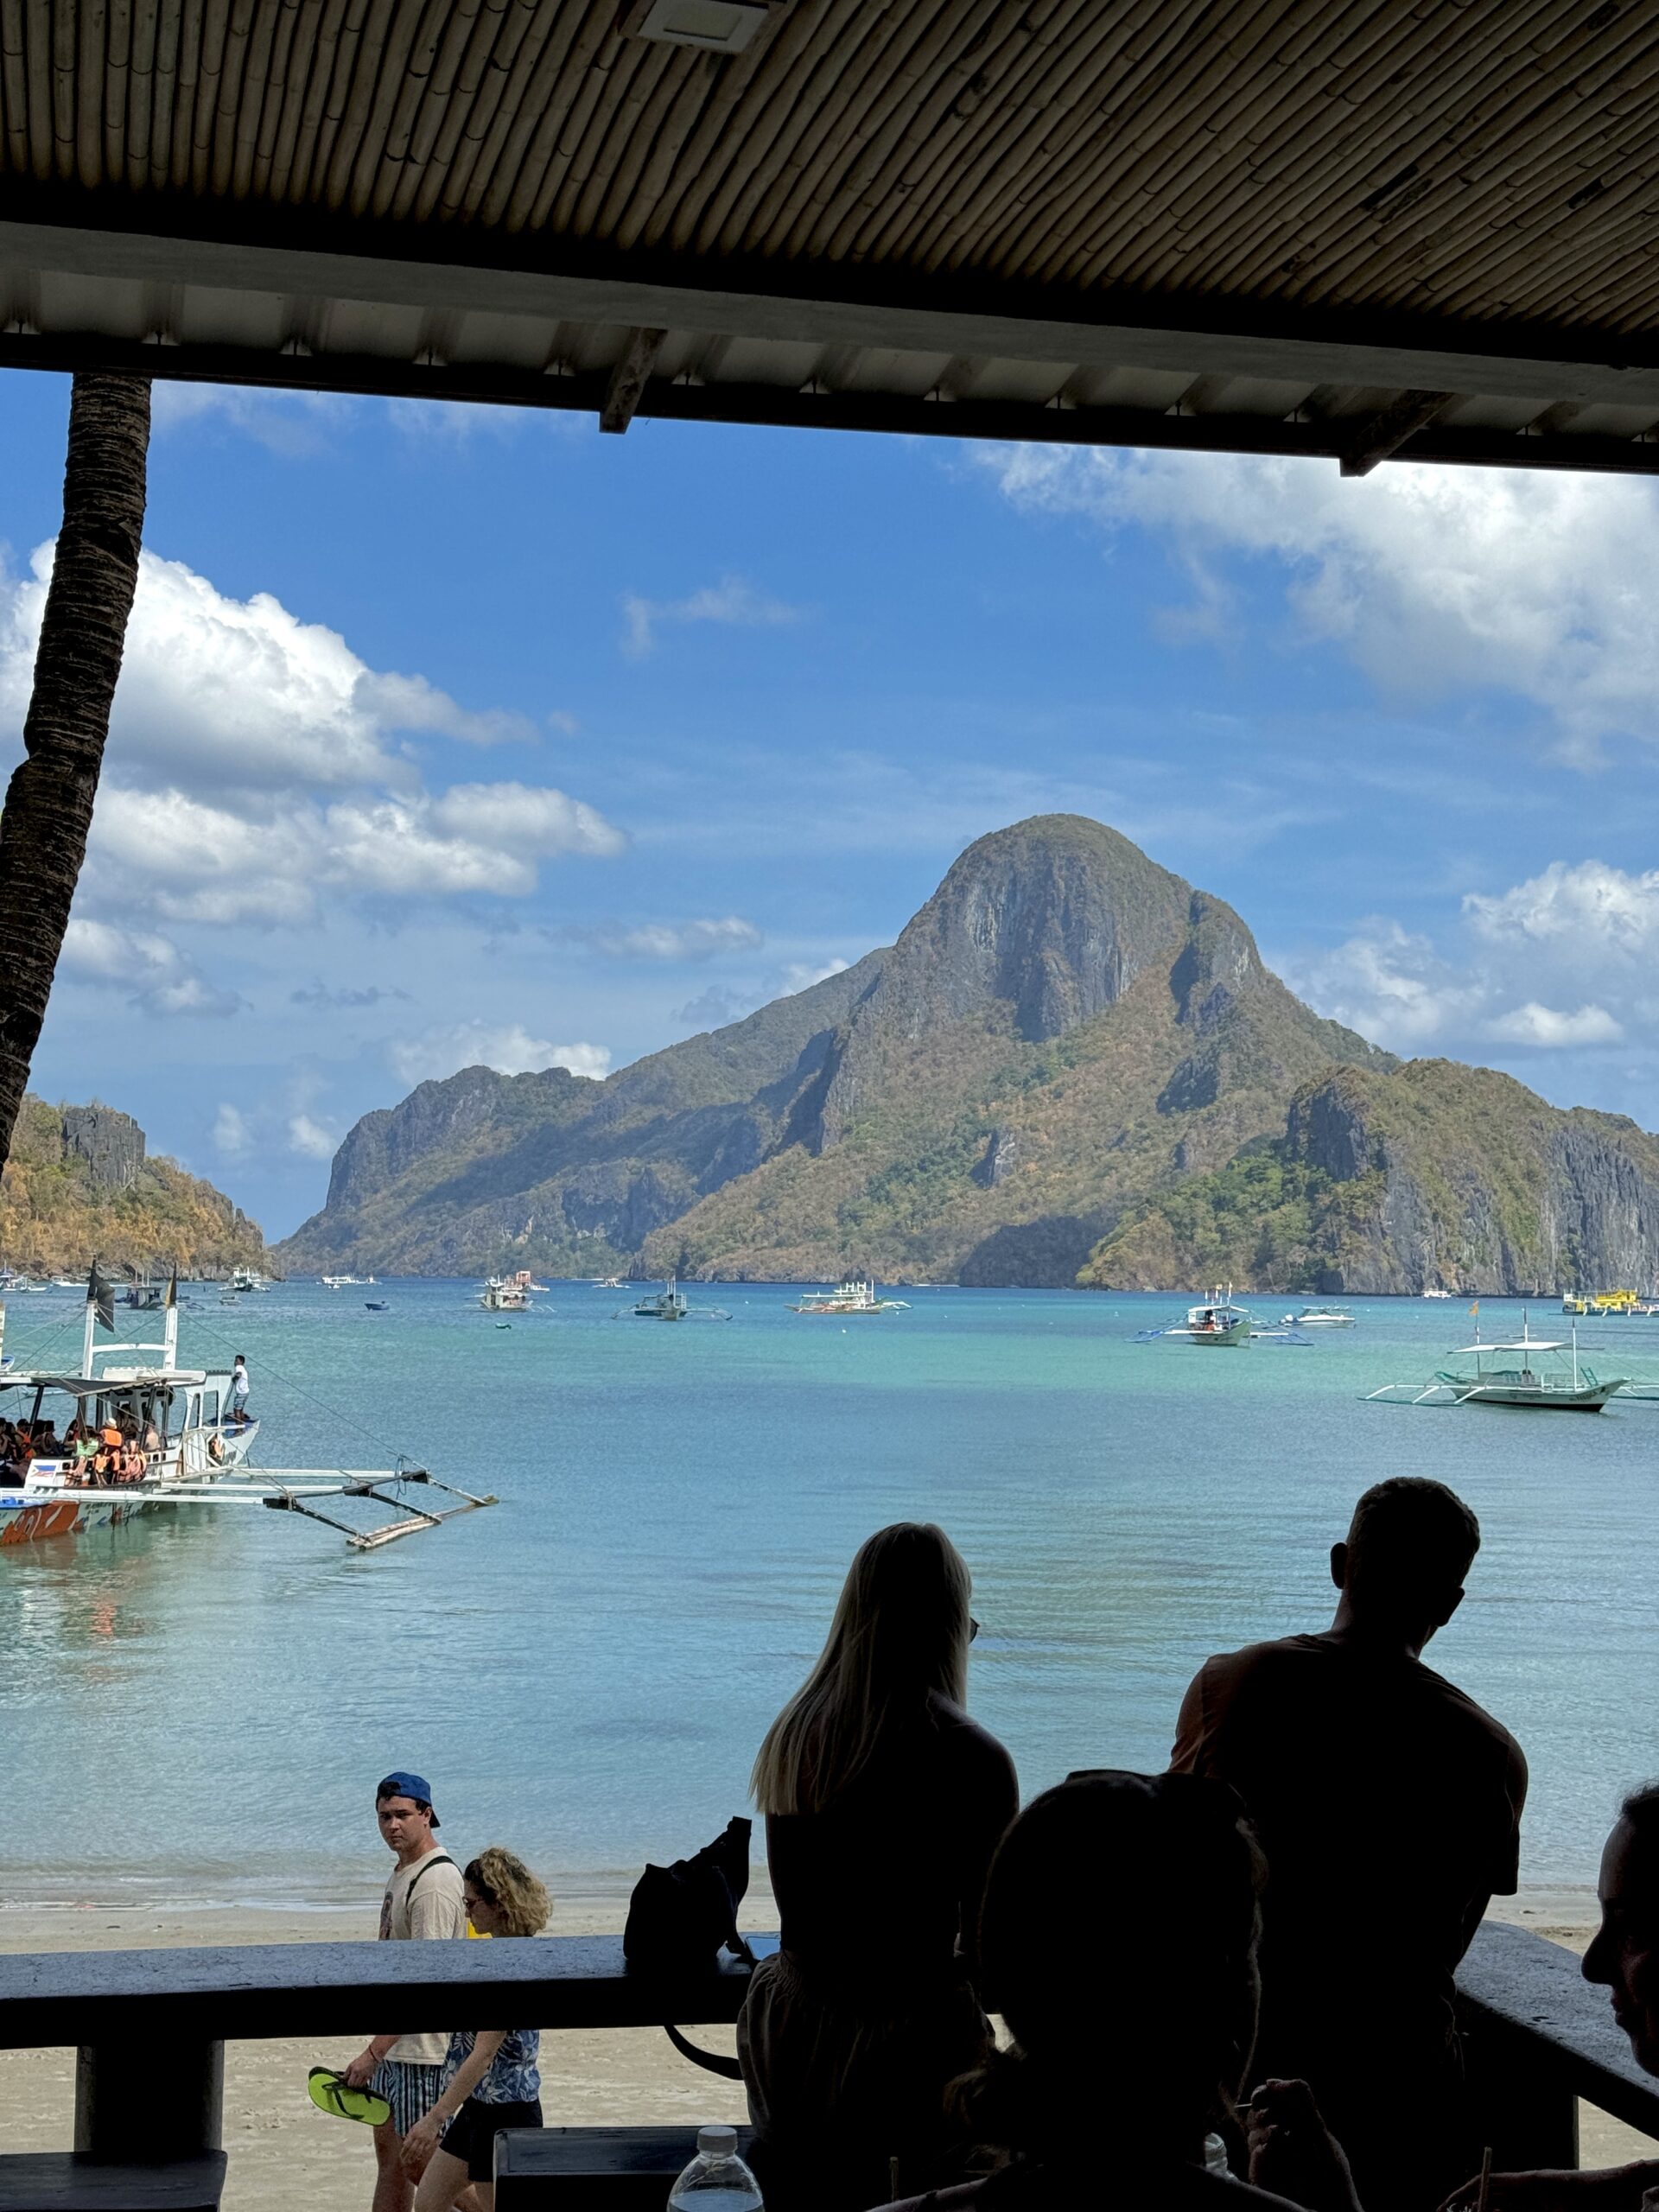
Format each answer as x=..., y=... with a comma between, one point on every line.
x=283, y=1500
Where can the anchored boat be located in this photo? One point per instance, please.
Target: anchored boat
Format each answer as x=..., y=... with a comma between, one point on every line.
x=1318, y=1317
x=1545, y=1373
x=507, y=1294
x=167, y=1435
x=850, y=1297
x=1214, y=1320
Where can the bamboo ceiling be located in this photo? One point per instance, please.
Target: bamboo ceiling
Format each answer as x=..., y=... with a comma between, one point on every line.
x=1359, y=228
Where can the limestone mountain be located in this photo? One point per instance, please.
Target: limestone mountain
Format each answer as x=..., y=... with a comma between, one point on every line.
x=1064, y=1030
x=82, y=1183
x=1432, y=1175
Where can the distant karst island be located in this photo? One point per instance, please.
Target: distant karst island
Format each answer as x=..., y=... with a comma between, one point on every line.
x=1072, y=1067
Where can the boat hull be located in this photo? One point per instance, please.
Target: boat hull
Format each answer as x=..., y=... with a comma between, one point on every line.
x=26, y=1520
x=1239, y=1333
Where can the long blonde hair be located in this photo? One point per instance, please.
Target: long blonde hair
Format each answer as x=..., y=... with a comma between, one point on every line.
x=509, y=1885
x=899, y=1635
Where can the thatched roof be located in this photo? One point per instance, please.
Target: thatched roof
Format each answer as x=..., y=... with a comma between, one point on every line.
x=1350, y=227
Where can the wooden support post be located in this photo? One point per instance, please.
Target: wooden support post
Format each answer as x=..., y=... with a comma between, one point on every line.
x=139, y=2103
x=1385, y=433
x=629, y=379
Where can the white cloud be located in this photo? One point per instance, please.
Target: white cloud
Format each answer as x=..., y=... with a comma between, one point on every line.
x=507, y=1047
x=695, y=940
x=1533, y=1024
x=1390, y=986
x=227, y=694
x=309, y=1139
x=801, y=975
x=1562, y=961
x=1589, y=906
x=151, y=968
x=541, y=823
x=730, y=600
x=1432, y=578
x=231, y=1133
x=267, y=863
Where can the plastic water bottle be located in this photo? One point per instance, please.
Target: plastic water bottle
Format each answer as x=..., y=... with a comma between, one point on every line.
x=717, y=2180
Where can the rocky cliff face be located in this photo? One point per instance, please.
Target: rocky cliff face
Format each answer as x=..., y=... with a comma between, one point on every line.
x=111, y=1145
x=1433, y=1176
x=1062, y=1026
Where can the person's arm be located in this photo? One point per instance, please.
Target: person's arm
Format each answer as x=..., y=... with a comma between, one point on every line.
x=993, y=1802
x=1294, y=2154
x=1609, y=2189
x=357, y=2075
x=1187, y=1754
x=423, y=2139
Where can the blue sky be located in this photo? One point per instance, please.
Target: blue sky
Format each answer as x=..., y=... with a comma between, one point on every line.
x=453, y=734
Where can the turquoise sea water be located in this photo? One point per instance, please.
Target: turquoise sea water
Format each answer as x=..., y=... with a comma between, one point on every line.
x=197, y=1707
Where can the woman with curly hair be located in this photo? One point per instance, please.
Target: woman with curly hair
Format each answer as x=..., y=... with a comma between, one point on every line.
x=491, y=2078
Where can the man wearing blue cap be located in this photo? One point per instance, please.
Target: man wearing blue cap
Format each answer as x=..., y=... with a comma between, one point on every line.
x=423, y=1900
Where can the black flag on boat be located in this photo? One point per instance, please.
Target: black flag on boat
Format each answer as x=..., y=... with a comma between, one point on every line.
x=101, y=1294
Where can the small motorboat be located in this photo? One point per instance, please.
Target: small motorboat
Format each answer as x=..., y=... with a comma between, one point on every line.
x=376, y=1306
x=1318, y=1317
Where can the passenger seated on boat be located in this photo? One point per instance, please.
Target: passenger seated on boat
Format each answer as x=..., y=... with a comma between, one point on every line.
x=132, y=1463
x=1132, y=2015
x=152, y=1437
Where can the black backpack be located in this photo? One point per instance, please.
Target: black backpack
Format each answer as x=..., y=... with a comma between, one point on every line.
x=682, y=1917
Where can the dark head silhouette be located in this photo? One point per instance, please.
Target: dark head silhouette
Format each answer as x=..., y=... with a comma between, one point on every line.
x=1625, y=1956
x=1401, y=1571
x=900, y=1637
x=1151, y=1987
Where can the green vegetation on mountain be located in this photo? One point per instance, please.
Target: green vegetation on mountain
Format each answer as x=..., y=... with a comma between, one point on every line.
x=79, y=1185
x=1432, y=1175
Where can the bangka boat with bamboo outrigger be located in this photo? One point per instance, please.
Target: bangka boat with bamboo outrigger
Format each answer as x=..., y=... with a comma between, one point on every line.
x=1213, y=1320
x=852, y=1296
x=671, y=1304
x=169, y=1436
x=1545, y=1373
x=508, y=1294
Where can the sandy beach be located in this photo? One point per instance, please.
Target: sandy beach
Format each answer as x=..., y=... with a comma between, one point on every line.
x=282, y=2150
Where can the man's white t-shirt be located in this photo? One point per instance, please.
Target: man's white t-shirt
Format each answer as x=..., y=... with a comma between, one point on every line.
x=422, y=1901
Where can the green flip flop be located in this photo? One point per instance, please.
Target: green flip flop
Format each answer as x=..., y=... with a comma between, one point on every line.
x=329, y=2093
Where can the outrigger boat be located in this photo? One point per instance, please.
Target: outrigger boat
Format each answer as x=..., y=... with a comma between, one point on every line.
x=1214, y=1320
x=507, y=1294
x=1546, y=1375
x=671, y=1304
x=850, y=1297
x=198, y=1455
x=1608, y=1305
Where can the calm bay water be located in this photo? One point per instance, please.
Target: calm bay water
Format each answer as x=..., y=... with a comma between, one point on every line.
x=197, y=1707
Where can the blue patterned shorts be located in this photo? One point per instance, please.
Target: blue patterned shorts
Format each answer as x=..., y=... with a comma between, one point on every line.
x=412, y=2091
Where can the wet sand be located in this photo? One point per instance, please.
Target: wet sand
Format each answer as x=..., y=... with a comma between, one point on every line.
x=283, y=2150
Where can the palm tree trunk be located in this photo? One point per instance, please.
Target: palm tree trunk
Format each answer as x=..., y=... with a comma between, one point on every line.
x=49, y=808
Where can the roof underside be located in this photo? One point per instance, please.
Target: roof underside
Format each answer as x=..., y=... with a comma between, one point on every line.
x=1355, y=228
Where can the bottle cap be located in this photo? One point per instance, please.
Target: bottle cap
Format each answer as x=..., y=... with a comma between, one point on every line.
x=717, y=2142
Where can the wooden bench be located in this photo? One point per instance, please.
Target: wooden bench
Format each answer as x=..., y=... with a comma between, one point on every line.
x=610, y=2169
x=70, y=2181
